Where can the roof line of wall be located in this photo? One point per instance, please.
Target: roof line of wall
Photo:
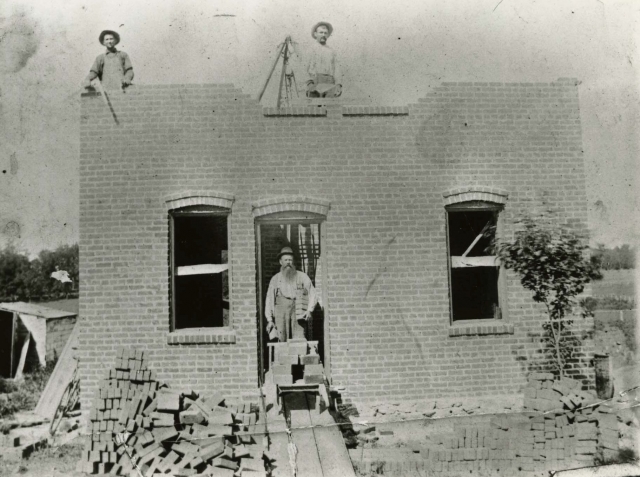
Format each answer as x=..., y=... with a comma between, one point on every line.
x=317, y=107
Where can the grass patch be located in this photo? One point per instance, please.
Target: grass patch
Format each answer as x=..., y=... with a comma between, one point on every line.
x=627, y=326
x=625, y=455
x=23, y=395
x=609, y=302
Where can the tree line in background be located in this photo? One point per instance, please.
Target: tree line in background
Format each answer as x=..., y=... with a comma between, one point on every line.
x=24, y=279
x=618, y=258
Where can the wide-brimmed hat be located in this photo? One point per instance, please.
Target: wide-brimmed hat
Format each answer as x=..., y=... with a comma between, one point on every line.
x=315, y=27
x=109, y=32
x=285, y=251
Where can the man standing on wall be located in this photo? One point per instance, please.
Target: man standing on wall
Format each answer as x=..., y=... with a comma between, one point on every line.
x=113, y=68
x=291, y=298
x=322, y=68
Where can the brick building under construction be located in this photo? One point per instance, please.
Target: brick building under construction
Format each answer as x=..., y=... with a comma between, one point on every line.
x=380, y=205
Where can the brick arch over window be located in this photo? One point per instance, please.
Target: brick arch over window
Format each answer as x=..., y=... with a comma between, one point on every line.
x=475, y=193
x=199, y=198
x=276, y=205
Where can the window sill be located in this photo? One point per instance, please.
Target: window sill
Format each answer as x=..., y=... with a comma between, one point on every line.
x=481, y=327
x=188, y=336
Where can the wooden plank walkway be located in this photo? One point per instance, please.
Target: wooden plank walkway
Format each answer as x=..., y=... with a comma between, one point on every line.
x=321, y=450
x=333, y=453
x=308, y=460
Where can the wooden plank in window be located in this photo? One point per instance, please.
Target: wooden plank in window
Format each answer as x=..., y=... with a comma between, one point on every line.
x=206, y=268
x=464, y=262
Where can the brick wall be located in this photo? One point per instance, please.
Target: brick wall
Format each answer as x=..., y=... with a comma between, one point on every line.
x=384, y=172
x=58, y=332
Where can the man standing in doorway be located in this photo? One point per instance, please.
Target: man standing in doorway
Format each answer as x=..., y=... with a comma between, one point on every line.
x=323, y=67
x=113, y=68
x=291, y=299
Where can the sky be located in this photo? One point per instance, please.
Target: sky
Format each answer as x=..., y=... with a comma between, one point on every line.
x=391, y=53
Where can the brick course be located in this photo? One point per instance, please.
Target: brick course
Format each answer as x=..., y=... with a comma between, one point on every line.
x=378, y=174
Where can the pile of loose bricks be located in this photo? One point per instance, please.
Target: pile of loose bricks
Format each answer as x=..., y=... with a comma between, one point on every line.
x=140, y=426
x=562, y=427
x=295, y=358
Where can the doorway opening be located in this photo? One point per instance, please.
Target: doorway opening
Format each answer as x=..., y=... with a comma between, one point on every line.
x=7, y=340
x=304, y=236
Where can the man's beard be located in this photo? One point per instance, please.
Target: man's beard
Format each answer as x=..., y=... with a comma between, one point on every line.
x=289, y=273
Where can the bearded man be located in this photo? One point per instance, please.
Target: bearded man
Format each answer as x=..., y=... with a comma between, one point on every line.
x=291, y=299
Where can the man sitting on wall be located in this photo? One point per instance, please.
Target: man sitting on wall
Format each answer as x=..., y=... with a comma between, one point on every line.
x=113, y=68
x=322, y=68
x=291, y=298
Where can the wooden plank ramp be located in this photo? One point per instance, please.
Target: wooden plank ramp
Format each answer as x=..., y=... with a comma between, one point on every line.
x=334, y=456
x=321, y=450
x=60, y=377
x=307, y=459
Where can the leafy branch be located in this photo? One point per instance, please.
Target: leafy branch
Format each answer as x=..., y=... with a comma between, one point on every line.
x=552, y=263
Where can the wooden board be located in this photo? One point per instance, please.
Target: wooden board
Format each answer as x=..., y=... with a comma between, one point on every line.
x=60, y=378
x=203, y=269
x=334, y=456
x=278, y=450
x=308, y=460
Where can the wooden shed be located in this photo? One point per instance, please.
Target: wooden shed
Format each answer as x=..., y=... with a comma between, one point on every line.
x=30, y=332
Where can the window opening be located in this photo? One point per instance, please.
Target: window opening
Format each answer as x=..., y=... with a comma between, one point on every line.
x=200, y=270
x=474, y=273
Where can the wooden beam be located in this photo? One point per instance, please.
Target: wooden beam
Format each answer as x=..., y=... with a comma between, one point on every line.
x=14, y=317
x=308, y=460
x=466, y=262
x=60, y=378
x=204, y=269
x=334, y=456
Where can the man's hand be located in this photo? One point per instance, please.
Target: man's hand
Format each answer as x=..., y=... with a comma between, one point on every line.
x=270, y=326
x=306, y=316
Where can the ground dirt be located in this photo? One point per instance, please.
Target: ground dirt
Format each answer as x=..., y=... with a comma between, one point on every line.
x=48, y=462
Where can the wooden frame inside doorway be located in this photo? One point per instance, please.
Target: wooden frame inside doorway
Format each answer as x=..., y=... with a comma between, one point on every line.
x=285, y=222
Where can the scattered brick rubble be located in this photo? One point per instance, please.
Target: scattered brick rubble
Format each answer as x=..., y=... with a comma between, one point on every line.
x=562, y=427
x=138, y=422
x=27, y=432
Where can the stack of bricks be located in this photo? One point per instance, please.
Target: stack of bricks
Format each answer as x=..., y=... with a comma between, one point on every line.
x=543, y=393
x=562, y=433
x=138, y=425
x=296, y=358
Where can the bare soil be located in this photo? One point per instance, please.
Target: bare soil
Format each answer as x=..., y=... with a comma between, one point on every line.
x=48, y=462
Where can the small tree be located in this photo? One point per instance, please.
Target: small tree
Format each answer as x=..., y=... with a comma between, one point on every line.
x=552, y=263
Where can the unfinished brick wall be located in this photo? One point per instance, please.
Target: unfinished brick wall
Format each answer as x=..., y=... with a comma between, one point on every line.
x=58, y=332
x=384, y=172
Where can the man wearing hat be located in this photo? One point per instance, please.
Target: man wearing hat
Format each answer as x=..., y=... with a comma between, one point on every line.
x=291, y=299
x=322, y=68
x=113, y=67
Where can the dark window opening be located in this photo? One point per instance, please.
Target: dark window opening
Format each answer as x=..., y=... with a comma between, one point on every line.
x=200, y=276
x=474, y=272
x=475, y=293
x=464, y=228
